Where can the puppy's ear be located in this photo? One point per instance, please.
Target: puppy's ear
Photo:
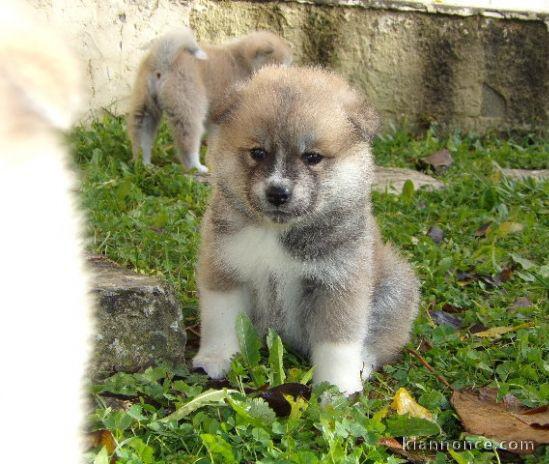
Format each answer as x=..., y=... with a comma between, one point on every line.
x=364, y=118
x=224, y=111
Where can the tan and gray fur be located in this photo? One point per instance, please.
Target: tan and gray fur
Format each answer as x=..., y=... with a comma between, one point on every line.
x=289, y=236
x=187, y=82
x=45, y=307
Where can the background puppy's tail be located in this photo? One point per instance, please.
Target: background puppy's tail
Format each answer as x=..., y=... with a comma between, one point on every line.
x=166, y=48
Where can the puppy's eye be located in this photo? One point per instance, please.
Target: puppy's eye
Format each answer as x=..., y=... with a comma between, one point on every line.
x=311, y=157
x=258, y=154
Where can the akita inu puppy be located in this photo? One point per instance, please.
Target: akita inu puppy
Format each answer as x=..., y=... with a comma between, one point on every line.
x=172, y=80
x=289, y=236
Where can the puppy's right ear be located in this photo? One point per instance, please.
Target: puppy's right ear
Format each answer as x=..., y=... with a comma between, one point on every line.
x=225, y=110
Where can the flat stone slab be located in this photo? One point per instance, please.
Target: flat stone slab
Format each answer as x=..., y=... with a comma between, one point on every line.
x=139, y=322
x=522, y=174
x=392, y=180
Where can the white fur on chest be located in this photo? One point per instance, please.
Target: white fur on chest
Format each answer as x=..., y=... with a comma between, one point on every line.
x=255, y=251
x=257, y=257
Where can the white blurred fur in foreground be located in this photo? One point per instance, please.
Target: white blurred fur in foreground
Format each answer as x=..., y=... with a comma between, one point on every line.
x=44, y=308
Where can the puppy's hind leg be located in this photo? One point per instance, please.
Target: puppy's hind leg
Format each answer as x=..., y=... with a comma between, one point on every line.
x=143, y=123
x=185, y=105
x=394, y=308
x=187, y=132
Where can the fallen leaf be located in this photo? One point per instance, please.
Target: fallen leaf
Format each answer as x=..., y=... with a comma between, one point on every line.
x=101, y=438
x=505, y=274
x=537, y=417
x=482, y=231
x=466, y=277
x=411, y=455
x=438, y=161
x=276, y=397
x=480, y=414
x=390, y=442
x=477, y=327
x=404, y=403
x=441, y=317
x=436, y=234
x=448, y=308
x=497, y=332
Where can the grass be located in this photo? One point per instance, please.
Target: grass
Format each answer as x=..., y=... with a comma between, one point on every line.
x=148, y=218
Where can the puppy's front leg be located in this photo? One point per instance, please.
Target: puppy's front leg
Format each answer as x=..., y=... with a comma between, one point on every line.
x=218, y=343
x=338, y=332
x=339, y=363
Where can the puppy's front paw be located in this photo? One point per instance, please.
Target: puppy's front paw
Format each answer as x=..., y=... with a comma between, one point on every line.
x=340, y=365
x=351, y=388
x=215, y=365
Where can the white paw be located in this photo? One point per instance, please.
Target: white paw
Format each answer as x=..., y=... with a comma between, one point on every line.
x=201, y=169
x=347, y=383
x=216, y=365
x=339, y=364
x=348, y=388
x=198, y=166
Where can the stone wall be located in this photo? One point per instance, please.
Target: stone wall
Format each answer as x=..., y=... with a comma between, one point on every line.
x=461, y=68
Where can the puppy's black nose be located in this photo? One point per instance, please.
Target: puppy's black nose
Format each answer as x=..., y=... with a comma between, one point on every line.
x=278, y=195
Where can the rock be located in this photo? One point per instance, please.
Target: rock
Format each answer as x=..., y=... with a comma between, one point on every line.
x=522, y=174
x=139, y=322
x=436, y=234
x=392, y=180
x=438, y=162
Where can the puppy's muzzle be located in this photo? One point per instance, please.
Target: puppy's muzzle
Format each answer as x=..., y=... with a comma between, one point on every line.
x=277, y=195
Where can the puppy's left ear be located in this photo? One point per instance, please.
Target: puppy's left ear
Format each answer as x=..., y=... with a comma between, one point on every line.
x=364, y=118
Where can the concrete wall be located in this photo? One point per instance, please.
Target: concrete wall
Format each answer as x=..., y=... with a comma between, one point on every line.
x=459, y=67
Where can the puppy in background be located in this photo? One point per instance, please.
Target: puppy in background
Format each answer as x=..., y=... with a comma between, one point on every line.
x=45, y=306
x=188, y=83
x=289, y=236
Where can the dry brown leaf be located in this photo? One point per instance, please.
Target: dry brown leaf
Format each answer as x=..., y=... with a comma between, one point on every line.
x=483, y=230
x=411, y=456
x=497, y=332
x=443, y=318
x=404, y=403
x=480, y=414
x=100, y=438
x=537, y=418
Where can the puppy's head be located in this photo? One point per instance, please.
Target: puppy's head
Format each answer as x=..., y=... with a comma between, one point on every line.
x=293, y=142
x=263, y=48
